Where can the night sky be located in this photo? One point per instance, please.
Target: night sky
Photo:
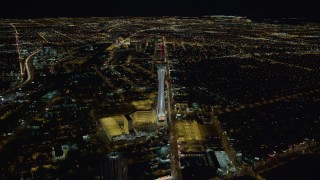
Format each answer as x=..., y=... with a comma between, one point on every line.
x=84, y=8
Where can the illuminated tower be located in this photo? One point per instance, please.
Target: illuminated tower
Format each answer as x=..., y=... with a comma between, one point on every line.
x=161, y=109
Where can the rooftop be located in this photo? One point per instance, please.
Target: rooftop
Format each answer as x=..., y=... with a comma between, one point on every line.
x=111, y=127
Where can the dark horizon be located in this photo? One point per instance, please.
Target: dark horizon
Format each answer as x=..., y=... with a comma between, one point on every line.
x=263, y=9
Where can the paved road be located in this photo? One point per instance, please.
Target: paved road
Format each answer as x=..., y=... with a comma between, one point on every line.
x=29, y=67
x=263, y=102
x=174, y=156
x=18, y=50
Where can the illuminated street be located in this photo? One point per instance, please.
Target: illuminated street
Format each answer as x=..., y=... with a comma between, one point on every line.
x=210, y=97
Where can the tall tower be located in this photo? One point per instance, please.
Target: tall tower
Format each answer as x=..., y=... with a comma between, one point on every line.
x=161, y=109
x=114, y=167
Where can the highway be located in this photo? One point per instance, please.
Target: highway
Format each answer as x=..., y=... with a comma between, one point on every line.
x=18, y=50
x=29, y=67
